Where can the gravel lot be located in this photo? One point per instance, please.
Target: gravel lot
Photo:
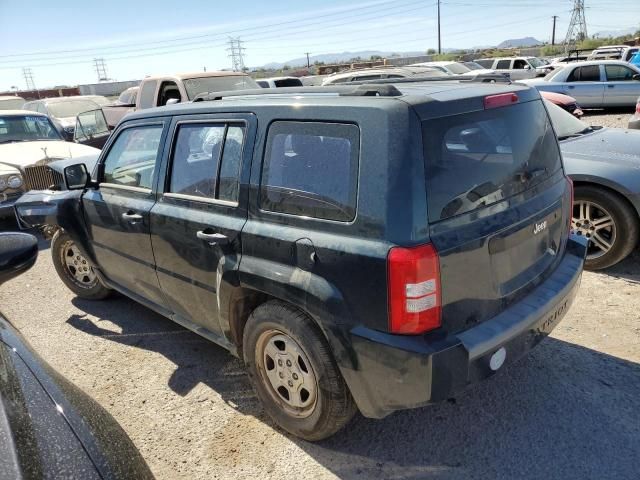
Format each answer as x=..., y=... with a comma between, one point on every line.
x=568, y=410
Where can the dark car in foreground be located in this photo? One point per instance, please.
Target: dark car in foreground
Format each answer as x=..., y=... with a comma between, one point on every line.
x=370, y=248
x=48, y=427
x=604, y=164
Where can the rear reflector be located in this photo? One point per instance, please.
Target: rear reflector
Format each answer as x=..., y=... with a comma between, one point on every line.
x=414, y=290
x=502, y=100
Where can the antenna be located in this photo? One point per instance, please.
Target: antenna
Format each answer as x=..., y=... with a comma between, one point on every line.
x=236, y=53
x=577, y=30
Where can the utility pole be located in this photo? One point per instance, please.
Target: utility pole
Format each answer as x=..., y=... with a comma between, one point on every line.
x=577, y=30
x=308, y=63
x=553, y=35
x=439, y=43
x=28, y=78
x=236, y=53
x=101, y=69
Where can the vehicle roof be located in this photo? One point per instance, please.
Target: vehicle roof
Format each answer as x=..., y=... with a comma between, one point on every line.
x=604, y=47
x=4, y=113
x=506, y=58
x=278, y=78
x=598, y=62
x=10, y=97
x=66, y=99
x=413, y=93
x=381, y=70
x=183, y=76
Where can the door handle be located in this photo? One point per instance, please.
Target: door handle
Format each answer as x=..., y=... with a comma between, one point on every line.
x=610, y=86
x=132, y=217
x=213, y=238
x=571, y=87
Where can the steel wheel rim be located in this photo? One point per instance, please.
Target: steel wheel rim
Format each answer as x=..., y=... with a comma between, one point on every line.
x=287, y=373
x=77, y=266
x=596, y=223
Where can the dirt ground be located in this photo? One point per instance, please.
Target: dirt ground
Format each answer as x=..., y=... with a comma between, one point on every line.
x=568, y=410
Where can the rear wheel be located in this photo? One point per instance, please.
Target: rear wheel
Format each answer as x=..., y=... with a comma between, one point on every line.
x=610, y=224
x=294, y=373
x=75, y=270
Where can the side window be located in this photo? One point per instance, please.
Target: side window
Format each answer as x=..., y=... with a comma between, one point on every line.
x=147, y=93
x=206, y=161
x=311, y=169
x=132, y=158
x=574, y=76
x=519, y=64
x=367, y=77
x=631, y=53
x=168, y=91
x=618, y=73
x=503, y=65
x=590, y=73
x=262, y=83
x=485, y=63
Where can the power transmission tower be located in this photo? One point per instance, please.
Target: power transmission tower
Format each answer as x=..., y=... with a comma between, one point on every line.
x=101, y=69
x=577, y=30
x=236, y=53
x=28, y=78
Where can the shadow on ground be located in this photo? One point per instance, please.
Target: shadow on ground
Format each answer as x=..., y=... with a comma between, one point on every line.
x=628, y=269
x=564, y=411
x=197, y=359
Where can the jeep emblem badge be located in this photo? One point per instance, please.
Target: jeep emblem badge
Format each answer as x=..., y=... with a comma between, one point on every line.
x=538, y=227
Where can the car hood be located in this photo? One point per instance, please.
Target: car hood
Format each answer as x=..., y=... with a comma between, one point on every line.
x=7, y=170
x=615, y=146
x=532, y=81
x=67, y=121
x=22, y=154
x=558, y=98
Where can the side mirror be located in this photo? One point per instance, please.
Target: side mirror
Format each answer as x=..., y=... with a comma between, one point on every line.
x=172, y=101
x=18, y=253
x=527, y=67
x=76, y=177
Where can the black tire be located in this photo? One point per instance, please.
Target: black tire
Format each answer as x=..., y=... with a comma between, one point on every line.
x=91, y=289
x=625, y=223
x=333, y=406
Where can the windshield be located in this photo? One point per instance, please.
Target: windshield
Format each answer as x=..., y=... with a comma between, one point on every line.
x=70, y=108
x=553, y=73
x=457, y=68
x=196, y=86
x=536, y=62
x=11, y=103
x=563, y=122
x=473, y=66
x=26, y=128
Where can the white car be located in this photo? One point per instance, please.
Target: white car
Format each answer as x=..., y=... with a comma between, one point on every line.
x=380, y=73
x=454, y=68
x=10, y=102
x=28, y=142
x=518, y=68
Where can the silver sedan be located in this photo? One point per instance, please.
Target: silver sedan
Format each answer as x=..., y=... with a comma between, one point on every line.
x=594, y=84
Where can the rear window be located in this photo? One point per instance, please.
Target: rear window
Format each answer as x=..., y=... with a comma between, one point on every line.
x=485, y=63
x=310, y=169
x=288, y=82
x=476, y=159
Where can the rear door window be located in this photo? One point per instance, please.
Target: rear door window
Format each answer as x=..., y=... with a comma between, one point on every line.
x=477, y=159
x=589, y=73
x=503, y=65
x=310, y=169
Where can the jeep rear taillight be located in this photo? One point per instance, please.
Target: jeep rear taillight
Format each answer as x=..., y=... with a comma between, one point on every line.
x=414, y=289
x=500, y=100
x=638, y=107
x=570, y=182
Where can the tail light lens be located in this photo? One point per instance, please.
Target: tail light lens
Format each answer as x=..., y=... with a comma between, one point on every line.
x=414, y=290
x=638, y=107
x=570, y=182
x=500, y=100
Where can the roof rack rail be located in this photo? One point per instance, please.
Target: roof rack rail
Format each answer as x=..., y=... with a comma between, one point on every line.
x=343, y=90
x=467, y=78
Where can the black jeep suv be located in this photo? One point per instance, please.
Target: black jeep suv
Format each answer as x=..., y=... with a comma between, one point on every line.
x=371, y=247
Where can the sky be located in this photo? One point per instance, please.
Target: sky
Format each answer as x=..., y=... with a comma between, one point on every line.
x=60, y=40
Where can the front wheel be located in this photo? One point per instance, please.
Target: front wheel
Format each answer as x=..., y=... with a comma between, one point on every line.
x=608, y=222
x=294, y=373
x=75, y=270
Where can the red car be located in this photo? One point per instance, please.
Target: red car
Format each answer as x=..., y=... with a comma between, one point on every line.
x=564, y=101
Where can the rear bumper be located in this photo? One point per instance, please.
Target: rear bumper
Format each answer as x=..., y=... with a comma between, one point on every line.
x=398, y=372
